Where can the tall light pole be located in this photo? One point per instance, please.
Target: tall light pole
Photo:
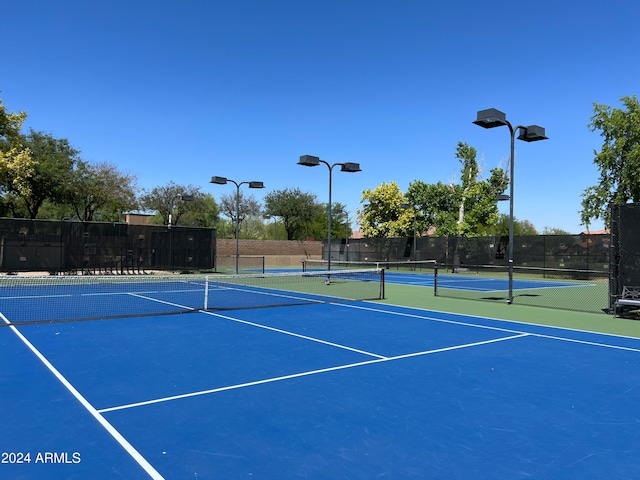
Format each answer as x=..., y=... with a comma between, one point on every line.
x=184, y=198
x=415, y=226
x=346, y=232
x=275, y=221
x=311, y=161
x=224, y=181
x=491, y=118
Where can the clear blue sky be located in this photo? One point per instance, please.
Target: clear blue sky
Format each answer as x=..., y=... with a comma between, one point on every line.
x=183, y=90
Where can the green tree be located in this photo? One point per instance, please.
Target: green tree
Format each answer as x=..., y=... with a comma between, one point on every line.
x=172, y=201
x=436, y=206
x=382, y=215
x=16, y=164
x=340, y=221
x=295, y=209
x=520, y=227
x=469, y=208
x=101, y=188
x=554, y=231
x=202, y=212
x=53, y=163
x=239, y=208
x=317, y=227
x=618, y=160
x=477, y=200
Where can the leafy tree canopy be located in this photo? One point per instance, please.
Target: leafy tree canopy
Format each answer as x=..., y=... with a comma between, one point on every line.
x=468, y=208
x=618, y=160
x=16, y=164
x=520, y=227
x=295, y=209
x=53, y=162
x=238, y=206
x=173, y=201
x=101, y=188
x=382, y=215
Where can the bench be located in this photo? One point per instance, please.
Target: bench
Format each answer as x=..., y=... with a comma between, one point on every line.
x=630, y=298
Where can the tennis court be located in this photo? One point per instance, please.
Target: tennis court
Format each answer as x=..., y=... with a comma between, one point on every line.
x=327, y=388
x=422, y=273
x=475, y=284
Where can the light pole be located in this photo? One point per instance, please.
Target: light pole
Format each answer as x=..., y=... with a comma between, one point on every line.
x=346, y=232
x=415, y=226
x=184, y=198
x=224, y=181
x=350, y=167
x=491, y=118
x=275, y=222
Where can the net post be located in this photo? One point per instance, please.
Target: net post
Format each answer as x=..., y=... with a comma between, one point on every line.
x=382, y=292
x=435, y=279
x=206, y=292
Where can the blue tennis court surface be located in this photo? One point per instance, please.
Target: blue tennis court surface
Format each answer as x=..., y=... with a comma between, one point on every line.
x=353, y=390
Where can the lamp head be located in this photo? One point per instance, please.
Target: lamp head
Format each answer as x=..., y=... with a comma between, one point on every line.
x=309, y=160
x=219, y=180
x=256, y=185
x=491, y=118
x=350, y=167
x=532, y=133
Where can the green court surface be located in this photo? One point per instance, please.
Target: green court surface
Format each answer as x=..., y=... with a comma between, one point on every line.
x=420, y=297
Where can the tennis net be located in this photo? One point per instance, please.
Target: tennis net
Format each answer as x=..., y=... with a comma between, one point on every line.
x=25, y=300
x=417, y=266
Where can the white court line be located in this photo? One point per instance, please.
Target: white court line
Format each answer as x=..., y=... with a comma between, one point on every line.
x=305, y=374
x=305, y=337
x=507, y=330
x=124, y=443
x=426, y=317
x=586, y=342
x=265, y=327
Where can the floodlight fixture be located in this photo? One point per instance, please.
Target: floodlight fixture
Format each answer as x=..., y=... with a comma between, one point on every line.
x=309, y=161
x=350, y=167
x=491, y=118
x=532, y=133
x=218, y=180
